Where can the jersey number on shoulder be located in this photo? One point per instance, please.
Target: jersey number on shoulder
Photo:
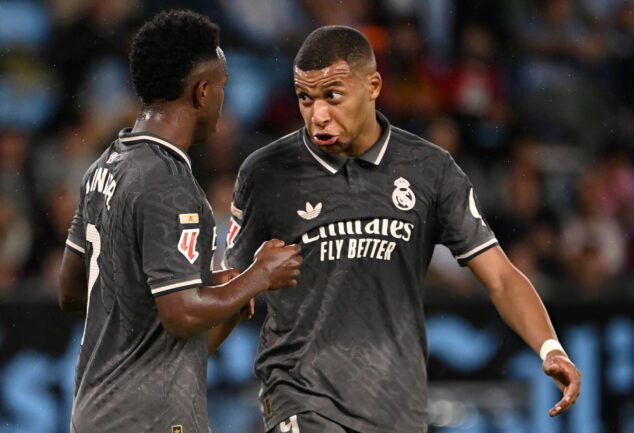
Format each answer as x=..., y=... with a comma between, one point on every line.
x=92, y=236
x=187, y=244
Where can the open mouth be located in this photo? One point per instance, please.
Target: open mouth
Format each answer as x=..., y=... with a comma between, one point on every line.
x=323, y=139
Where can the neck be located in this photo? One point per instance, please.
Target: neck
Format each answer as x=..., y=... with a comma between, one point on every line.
x=168, y=121
x=369, y=135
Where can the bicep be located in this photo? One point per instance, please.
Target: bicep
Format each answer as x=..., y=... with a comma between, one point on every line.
x=173, y=310
x=493, y=269
x=73, y=289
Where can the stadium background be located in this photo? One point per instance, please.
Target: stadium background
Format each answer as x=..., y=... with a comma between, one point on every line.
x=533, y=98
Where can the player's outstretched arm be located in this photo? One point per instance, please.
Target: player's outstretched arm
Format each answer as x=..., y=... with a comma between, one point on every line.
x=72, y=290
x=189, y=312
x=521, y=308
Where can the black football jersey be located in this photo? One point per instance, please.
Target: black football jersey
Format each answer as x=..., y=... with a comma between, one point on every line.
x=145, y=229
x=349, y=341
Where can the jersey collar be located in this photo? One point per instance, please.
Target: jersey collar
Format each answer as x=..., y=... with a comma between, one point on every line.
x=333, y=163
x=127, y=137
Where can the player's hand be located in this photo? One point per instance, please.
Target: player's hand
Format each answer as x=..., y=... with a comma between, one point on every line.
x=279, y=263
x=219, y=278
x=558, y=366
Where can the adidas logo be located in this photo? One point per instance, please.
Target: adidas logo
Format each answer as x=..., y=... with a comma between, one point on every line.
x=310, y=212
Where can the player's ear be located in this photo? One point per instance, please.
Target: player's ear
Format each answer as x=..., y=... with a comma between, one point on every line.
x=200, y=94
x=374, y=83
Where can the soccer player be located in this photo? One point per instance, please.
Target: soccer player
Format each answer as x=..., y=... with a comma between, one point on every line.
x=139, y=250
x=345, y=351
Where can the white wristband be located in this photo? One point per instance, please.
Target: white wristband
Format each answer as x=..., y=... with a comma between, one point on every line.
x=548, y=346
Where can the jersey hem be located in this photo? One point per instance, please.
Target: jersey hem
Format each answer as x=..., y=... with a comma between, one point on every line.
x=341, y=420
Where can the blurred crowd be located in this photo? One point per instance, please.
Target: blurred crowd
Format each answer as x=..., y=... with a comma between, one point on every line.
x=533, y=98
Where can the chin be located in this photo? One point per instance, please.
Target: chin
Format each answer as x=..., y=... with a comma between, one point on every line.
x=335, y=148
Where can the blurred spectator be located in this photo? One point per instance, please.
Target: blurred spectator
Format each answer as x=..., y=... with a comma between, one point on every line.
x=557, y=43
x=436, y=20
x=26, y=95
x=89, y=56
x=15, y=184
x=562, y=55
x=476, y=92
x=621, y=49
x=259, y=38
x=63, y=160
x=525, y=227
x=15, y=244
x=51, y=232
x=412, y=82
x=356, y=13
x=266, y=25
x=617, y=177
x=593, y=245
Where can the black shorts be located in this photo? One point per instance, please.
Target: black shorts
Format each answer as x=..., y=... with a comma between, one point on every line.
x=309, y=422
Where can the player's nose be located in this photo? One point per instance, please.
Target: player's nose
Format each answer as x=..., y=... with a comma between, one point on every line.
x=321, y=113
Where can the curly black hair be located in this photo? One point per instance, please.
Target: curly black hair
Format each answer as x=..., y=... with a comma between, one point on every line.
x=329, y=44
x=166, y=49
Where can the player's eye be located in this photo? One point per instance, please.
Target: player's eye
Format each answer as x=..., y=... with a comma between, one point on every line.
x=333, y=96
x=303, y=98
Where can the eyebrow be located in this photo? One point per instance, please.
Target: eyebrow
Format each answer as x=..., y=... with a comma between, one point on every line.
x=334, y=83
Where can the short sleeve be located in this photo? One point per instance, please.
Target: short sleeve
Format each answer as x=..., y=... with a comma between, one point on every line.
x=167, y=219
x=247, y=227
x=462, y=228
x=76, y=240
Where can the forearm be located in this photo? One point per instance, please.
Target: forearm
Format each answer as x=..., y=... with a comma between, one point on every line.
x=220, y=332
x=521, y=308
x=211, y=306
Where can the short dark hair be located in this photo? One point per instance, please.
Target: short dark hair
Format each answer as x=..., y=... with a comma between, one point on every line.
x=330, y=44
x=166, y=49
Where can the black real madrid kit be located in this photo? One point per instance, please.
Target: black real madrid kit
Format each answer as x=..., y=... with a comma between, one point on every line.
x=145, y=229
x=349, y=343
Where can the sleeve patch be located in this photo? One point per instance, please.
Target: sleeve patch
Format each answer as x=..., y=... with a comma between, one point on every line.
x=234, y=228
x=187, y=244
x=188, y=218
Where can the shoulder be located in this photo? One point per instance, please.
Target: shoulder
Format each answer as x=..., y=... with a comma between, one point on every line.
x=154, y=162
x=426, y=162
x=149, y=172
x=411, y=145
x=274, y=155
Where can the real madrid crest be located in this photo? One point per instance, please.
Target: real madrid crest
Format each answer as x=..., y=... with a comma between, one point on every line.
x=403, y=197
